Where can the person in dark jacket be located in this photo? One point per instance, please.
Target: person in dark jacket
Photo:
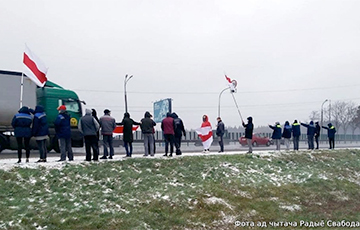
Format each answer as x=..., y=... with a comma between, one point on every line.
x=63, y=133
x=276, y=134
x=168, y=128
x=128, y=124
x=296, y=134
x=94, y=114
x=108, y=125
x=331, y=135
x=147, y=128
x=220, y=131
x=249, y=127
x=317, y=134
x=21, y=124
x=179, y=131
x=287, y=134
x=310, y=133
x=88, y=126
x=40, y=130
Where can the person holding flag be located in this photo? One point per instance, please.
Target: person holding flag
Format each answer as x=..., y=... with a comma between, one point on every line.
x=205, y=134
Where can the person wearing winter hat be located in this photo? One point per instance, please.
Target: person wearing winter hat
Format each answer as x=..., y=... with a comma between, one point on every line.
x=63, y=133
x=287, y=134
x=331, y=135
x=40, y=130
x=249, y=127
x=107, y=124
x=276, y=134
x=21, y=124
x=88, y=126
x=147, y=127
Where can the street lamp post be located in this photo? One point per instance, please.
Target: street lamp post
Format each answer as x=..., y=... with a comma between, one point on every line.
x=127, y=78
x=322, y=112
x=219, y=99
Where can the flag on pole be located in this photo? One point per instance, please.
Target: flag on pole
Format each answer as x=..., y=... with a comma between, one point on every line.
x=232, y=83
x=35, y=69
x=205, y=133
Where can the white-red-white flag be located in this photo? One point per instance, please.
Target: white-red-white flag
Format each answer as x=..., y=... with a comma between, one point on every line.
x=206, y=136
x=35, y=69
x=232, y=83
x=119, y=130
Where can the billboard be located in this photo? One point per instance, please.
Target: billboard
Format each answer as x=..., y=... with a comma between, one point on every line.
x=161, y=108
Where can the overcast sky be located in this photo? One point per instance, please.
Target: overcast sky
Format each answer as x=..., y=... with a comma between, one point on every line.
x=287, y=56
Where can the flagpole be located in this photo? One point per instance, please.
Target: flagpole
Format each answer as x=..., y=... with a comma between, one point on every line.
x=232, y=94
x=21, y=89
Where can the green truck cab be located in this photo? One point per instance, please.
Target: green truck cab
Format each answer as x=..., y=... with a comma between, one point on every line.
x=51, y=96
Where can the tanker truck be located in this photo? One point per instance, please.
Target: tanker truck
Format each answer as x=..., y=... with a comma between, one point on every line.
x=51, y=96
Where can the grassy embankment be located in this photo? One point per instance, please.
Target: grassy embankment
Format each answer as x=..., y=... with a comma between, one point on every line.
x=207, y=192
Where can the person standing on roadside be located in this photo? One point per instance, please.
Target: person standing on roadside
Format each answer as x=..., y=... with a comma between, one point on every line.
x=94, y=114
x=22, y=128
x=331, y=135
x=40, y=130
x=276, y=134
x=128, y=138
x=107, y=124
x=179, y=131
x=296, y=134
x=168, y=128
x=88, y=126
x=147, y=127
x=287, y=134
x=317, y=134
x=249, y=128
x=220, y=131
x=310, y=133
x=63, y=133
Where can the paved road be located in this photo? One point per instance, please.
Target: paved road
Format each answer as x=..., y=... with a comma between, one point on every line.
x=139, y=149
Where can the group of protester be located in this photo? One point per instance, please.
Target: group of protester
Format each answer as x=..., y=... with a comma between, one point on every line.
x=313, y=133
x=28, y=123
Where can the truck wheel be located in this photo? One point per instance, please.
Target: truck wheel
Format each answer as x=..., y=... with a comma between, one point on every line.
x=3, y=143
x=268, y=143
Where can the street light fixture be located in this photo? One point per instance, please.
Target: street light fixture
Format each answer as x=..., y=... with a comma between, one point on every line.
x=127, y=78
x=219, y=99
x=322, y=112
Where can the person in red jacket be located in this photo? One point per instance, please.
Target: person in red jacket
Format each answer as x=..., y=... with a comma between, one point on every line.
x=168, y=128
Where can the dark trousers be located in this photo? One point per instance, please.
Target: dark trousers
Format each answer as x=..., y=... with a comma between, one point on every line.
x=317, y=141
x=19, y=141
x=311, y=141
x=42, y=148
x=128, y=145
x=91, y=142
x=221, y=143
x=296, y=143
x=65, y=149
x=169, y=139
x=178, y=144
x=108, y=143
x=332, y=143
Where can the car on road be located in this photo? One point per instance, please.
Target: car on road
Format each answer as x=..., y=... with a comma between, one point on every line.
x=257, y=140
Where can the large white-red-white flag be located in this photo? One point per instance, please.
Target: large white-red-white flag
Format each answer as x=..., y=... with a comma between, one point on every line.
x=35, y=69
x=206, y=135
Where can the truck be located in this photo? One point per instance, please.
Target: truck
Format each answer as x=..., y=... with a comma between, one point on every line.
x=51, y=96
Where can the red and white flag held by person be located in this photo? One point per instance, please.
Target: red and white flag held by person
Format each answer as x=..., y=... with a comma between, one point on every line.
x=119, y=130
x=35, y=69
x=205, y=133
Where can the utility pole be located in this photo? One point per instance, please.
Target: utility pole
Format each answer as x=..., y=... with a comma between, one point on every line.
x=127, y=78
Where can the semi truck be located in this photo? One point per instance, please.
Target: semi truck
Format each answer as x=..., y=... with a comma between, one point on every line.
x=51, y=96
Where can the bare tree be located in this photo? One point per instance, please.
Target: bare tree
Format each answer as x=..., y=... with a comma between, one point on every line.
x=314, y=115
x=343, y=114
x=355, y=123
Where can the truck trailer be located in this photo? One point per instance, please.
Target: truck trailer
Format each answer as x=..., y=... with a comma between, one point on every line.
x=51, y=96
